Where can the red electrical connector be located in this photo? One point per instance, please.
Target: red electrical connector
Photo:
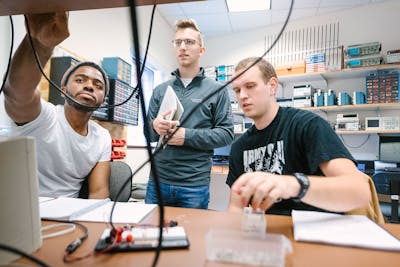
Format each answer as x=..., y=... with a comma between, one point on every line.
x=118, y=142
x=117, y=155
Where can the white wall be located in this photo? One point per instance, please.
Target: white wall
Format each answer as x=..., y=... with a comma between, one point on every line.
x=107, y=32
x=5, y=43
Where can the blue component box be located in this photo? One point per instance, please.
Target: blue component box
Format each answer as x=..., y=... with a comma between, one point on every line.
x=117, y=68
x=343, y=99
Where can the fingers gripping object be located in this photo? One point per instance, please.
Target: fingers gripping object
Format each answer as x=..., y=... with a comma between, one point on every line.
x=253, y=222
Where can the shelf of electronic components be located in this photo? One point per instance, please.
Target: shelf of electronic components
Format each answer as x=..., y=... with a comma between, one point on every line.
x=379, y=132
x=361, y=107
x=348, y=73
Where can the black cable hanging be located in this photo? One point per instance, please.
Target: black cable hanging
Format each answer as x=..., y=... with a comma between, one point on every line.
x=24, y=254
x=141, y=73
x=146, y=130
x=151, y=155
x=188, y=115
x=91, y=108
x=10, y=57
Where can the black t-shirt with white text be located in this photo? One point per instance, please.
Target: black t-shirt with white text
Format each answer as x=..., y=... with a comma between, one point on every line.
x=295, y=141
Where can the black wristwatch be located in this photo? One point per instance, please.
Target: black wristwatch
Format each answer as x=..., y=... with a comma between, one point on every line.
x=304, y=185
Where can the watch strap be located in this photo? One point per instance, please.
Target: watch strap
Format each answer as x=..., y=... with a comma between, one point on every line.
x=304, y=184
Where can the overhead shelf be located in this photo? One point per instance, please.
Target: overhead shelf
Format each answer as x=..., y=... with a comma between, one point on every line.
x=380, y=132
x=17, y=7
x=361, y=107
x=347, y=73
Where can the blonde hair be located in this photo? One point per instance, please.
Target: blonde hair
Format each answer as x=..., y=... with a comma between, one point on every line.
x=191, y=24
x=266, y=69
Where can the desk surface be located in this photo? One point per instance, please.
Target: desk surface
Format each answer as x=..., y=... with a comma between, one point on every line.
x=197, y=223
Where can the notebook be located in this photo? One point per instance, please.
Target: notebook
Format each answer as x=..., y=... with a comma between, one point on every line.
x=92, y=210
x=170, y=102
x=341, y=230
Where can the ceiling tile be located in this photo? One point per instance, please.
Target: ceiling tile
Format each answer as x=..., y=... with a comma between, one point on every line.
x=285, y=4
x=170, y=10
x=204, y=7
x=246, y=20
x=213, y=17
x=214, y=22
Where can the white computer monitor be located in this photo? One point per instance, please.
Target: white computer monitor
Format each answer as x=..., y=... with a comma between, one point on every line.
x=19, y=207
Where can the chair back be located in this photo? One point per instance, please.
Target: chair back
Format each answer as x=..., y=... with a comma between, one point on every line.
x=388, y=183
x=373, y=210
x=120, y=173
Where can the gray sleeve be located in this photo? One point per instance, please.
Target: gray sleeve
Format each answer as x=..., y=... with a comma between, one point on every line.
x=152, y=112
x=220, y=134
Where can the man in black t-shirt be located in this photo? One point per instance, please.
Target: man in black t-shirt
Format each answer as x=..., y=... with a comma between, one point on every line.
x=289, y=159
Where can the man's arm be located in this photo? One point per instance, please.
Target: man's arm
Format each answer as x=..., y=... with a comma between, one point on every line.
x=343, y=188
x=22, y=100
x=99, y=180
x=220, y=134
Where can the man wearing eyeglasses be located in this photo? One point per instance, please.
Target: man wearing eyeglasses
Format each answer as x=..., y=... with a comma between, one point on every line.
x=184, y=165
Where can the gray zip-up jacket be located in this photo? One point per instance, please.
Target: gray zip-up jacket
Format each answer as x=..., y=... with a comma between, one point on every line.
x=209, y=127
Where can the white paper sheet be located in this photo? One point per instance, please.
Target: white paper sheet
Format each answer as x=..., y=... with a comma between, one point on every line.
x=93, y=210
x=124, y=212
x=342, y=230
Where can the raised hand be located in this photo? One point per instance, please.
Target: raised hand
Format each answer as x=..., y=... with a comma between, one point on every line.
x=49, y=29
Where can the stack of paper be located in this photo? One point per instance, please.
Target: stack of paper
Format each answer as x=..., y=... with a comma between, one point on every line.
x=342, y=230
x=93, y=210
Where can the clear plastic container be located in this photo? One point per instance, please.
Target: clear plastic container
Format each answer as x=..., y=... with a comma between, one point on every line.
x=237, y=247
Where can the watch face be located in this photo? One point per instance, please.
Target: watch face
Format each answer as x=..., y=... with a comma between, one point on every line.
x=304, y=184
x=305, y=180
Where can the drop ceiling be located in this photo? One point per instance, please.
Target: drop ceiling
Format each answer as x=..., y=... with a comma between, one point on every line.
x=214, y=19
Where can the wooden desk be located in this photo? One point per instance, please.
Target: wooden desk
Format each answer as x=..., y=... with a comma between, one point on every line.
x=197, y=223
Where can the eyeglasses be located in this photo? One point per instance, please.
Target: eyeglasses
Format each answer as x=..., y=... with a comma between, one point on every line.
x=188, y=42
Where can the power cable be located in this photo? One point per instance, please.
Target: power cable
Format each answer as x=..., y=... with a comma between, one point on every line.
x=10, y=57
x=24, y=254
x=229, y=82
x=358, y=146
x=146, y=124
x=146, y=130
x=91, y=108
